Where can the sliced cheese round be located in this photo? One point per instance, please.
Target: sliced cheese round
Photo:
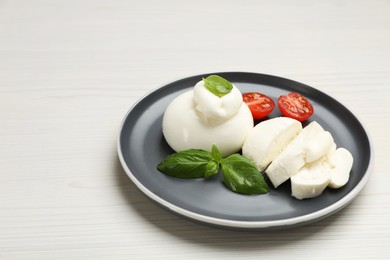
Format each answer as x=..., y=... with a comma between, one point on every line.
x=318, y=145
x=342, y=161
x=311, y=144
x=311, y=180
x=268, y=139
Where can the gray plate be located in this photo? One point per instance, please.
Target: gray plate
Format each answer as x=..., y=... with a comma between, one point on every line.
x=141, y=146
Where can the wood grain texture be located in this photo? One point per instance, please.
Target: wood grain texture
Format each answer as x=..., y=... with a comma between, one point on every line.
x=70, y=70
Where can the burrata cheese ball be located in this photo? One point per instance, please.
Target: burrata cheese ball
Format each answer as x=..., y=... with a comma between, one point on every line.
x=198, y=118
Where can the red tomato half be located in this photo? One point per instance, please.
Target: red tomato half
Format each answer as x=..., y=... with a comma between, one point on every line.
x=296, y=106
x=259, y=104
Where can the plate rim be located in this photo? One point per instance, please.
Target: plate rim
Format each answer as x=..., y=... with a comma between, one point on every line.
x=228, y=223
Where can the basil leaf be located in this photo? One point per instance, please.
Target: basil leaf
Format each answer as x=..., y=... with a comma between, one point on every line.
x=189, y=164
x=215, y=154
x=217, y=85
x=242, y=176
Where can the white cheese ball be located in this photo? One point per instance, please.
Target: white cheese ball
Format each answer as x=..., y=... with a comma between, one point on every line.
x=185, y=128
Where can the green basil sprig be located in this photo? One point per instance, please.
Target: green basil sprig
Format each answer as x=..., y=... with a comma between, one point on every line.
x=239, y=174
x=217, y=85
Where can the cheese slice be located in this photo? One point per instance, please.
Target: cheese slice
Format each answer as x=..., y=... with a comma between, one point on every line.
x=331, y=170
x=312, y=179
x=342, y=161
x=312, y=143
x=268, y=139
x=318, y=145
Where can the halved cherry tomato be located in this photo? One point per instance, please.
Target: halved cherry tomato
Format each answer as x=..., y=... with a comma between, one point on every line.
x=296, y=106
x=259, y=104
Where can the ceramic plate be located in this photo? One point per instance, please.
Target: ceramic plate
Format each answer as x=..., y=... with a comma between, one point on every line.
x=141, y=146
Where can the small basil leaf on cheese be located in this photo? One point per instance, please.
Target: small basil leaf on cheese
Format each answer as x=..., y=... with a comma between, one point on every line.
x=188, y=164
x=217, y=85
x=242, y=176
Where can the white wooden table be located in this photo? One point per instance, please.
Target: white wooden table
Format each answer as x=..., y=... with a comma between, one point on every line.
x=70, y=70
